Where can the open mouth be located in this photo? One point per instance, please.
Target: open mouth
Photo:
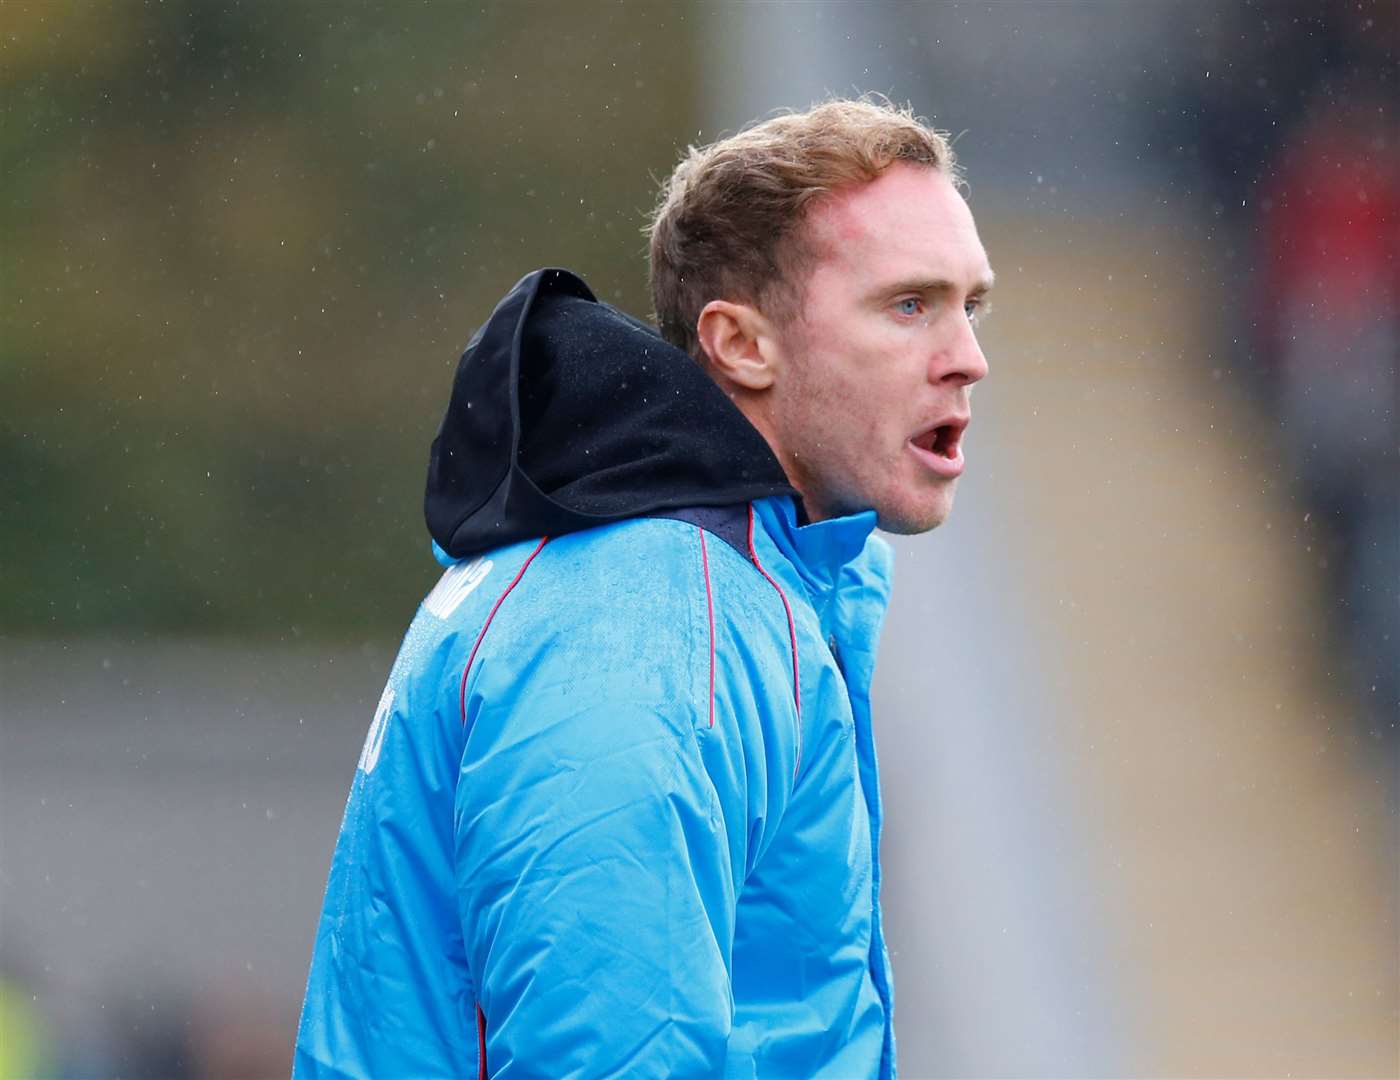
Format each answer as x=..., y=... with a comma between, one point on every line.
x=944, y=440
x=940, y=448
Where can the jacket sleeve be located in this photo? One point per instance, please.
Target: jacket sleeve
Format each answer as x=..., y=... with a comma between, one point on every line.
x=594, y=876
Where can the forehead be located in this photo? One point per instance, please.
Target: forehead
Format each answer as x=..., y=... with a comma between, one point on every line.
x=909, y=222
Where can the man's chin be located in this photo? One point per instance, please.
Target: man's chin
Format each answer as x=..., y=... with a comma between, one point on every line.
x=910, y=520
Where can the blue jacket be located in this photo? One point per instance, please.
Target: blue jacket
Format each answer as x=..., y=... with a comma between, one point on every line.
x=618, y=813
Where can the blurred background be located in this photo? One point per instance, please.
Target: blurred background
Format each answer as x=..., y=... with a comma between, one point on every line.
x=1138, y=700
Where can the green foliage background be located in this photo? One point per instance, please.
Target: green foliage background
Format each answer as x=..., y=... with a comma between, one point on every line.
x=241, y=248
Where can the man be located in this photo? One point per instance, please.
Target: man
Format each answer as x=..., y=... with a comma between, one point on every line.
x=618, y=812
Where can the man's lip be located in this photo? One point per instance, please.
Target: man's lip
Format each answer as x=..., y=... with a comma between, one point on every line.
x=950, y=467
x=942, y=463
x=953, y=420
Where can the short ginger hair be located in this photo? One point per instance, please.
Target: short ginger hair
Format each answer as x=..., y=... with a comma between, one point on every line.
x=728, y=222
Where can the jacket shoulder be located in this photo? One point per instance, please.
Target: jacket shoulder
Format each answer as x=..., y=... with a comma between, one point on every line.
x=639, y=597
x=601, y=597
x=638, y=566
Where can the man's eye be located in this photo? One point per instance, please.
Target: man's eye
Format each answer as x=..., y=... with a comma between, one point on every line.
x=972, y=309
x=908, y=306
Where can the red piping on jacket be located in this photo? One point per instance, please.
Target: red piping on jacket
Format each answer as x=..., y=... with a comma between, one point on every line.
x=481, y=1042
x=709, y=611
x=792, y=637
x=514, y=581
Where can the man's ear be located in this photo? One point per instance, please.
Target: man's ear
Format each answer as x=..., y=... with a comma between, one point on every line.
x=739, y=343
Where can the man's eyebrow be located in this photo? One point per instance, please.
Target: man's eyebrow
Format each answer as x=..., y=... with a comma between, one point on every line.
x=935, y=285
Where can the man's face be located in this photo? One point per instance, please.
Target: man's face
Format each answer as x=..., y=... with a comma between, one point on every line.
x=878, y=369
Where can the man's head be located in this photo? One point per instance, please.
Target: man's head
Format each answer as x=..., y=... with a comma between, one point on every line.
x=826, y=271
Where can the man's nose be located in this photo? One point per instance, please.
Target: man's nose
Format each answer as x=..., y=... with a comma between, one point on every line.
x=962, y=362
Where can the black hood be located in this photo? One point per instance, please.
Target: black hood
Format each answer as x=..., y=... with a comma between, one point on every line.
x=567, y=413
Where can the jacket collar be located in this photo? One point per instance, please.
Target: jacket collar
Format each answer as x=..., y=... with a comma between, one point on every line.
x=817, y=551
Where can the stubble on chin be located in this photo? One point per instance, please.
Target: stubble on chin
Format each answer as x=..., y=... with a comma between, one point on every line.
x=914, y=520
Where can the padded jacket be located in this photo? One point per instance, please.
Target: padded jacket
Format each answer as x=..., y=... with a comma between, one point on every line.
x=618, y=811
